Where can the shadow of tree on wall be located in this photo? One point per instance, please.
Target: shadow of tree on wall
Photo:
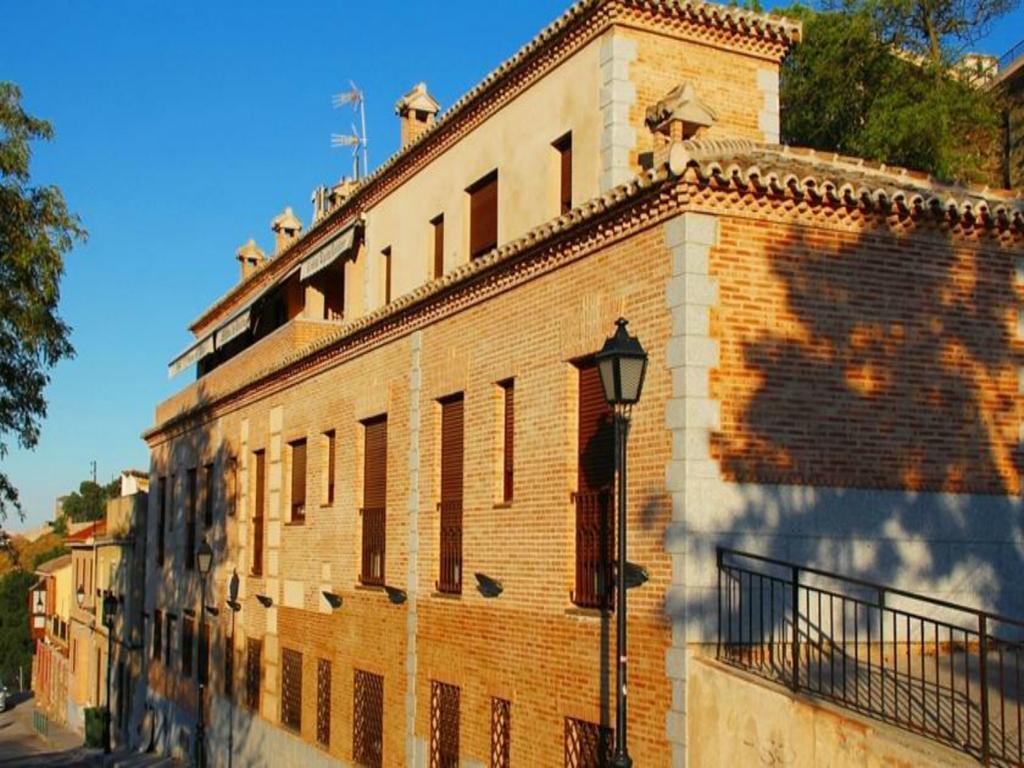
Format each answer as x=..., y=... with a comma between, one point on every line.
x=888, y=365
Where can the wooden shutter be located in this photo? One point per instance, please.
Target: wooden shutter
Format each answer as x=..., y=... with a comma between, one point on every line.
x=483, y=215
x=564, y=148
x=375, y=463
x=438, y=224
x=298, y=480
x=451, y=448
x=257, y=517
x=596, y=434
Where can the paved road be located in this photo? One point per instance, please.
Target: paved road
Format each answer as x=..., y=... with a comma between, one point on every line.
x=21, y=746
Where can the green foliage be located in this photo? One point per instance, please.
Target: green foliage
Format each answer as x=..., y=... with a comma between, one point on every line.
x=88, y=503
x=36, y=230
x=15, y=644
x=844, y=89
x=43, y=557
x=60, y=526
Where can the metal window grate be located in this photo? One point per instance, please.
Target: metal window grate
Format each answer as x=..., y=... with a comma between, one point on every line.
x=374, y=545
x=291, y=689
x=368, y=719
x=323, y=702
x=594, y=544
x=501, y=732
x=451, y=547
x=253, y=663
x=587, y=745
x=444, y=725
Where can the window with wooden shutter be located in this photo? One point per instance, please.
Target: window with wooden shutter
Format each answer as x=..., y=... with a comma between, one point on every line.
x=291, y=689
x=563, y=148
x=593, y=497
x=374, y=512
x=323, y=702
x=158, y=629
x=161, y=530
x=257, y=514
x=450, y=508
x=368, y=719
x=253, y=666
x=444, y=725
x=385, y=258
x=508, y=398
x=437, y=229
x=190, y=520
x=208, y=496
x=187, y=642
x=298, y=451
x=483, y=215
x=330, y=458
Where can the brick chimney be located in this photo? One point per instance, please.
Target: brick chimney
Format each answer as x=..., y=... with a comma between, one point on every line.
x=416, y=111
x=251, y=258
x=286, y=227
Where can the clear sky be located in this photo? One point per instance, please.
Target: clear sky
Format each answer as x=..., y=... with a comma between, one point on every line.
x=182, y=129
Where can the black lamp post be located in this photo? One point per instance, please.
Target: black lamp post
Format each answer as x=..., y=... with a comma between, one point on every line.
x=204, y=559
x=622, y=364
x=109, y=611
x=235, y=607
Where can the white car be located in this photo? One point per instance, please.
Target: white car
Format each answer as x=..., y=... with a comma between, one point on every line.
x=3, y=698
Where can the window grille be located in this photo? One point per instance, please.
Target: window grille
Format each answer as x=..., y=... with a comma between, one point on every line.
x=501, y=732
x=368, y=719
x=587, y=745
x=253, y=663
x=375, y=467
x=323, y=702
x=257, y=517
x=298, y=481
x=444, y=725
x=291, y=689
x=158, y=630
x=450, y=507
x=508, y=440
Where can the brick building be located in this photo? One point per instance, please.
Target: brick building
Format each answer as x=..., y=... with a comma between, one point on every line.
x=398, y=408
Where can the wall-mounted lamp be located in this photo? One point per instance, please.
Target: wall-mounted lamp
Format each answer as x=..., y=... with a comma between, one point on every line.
x=396, y=595
x=487, y=586
x=213, y=610
x=636, y=575
x=265, y=600
x=333, y=599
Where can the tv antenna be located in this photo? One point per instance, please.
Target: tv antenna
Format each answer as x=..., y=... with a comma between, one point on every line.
x=356, y=139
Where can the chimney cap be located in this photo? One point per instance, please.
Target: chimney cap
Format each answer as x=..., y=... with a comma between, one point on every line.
x=286, y=221
x=417, y=99
x=681, y=105
x=251, y=251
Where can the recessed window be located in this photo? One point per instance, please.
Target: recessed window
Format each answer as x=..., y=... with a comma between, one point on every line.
x=298, y=458
x=563, y=150
x=451, y=494
x=483, y=215
x=208, y=499
x=507, y=438
x=291, y=689
x=190, y=520
x=444, y=724
x=158, y=628
x=385, y=265
x=328, y=469
x=257, y=512
x=374, y=512
x=437, y=244
x=323, y=702
x=161, y=522
x=187, y=644
x=368, y=719
x=253, y=666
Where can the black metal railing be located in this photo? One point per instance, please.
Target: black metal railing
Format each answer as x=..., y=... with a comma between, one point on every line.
x=926, y=665
x=595, y=541
x=450, y=580
x=374, y=545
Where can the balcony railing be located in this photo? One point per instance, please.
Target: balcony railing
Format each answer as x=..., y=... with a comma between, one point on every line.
x=1011, y=56
x=926, y=665
x=374, y=540
x=451, y=547
x=595, y=541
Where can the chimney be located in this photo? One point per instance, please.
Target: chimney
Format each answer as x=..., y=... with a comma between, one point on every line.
x=416, y=111
x=250, y=257
x=286, y=227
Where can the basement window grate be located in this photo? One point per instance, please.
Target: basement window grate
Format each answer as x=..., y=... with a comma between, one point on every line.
x=501, y=732
x=368, y=719
x=444, y=725
x=587, y=745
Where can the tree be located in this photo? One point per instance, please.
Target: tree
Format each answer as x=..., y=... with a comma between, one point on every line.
x=88, y=503
x=36, y=231
x=845, y=88
x=15, y=643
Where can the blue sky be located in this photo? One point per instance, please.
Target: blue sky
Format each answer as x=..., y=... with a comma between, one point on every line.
x=182, y=129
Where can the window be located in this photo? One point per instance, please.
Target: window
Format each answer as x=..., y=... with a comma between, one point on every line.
x=375, y=473
x=437, y=230
x=444, y=725
x=587, y=745
x=253, y=663
x=563, y=148
x=208, y=495
x=291, y=689
x=483, y=215
x=329, y=459
x=190, y=521
x=595, y=537
x=508, y=393
x=501, y=732
x=451, y=494
x=385, y=265
x=298, y=450
x=169, y=640
x=158, y=628
x=161, y=536
x=257, y=514
x=368, y=719
x=323, y=702
x=187, y=640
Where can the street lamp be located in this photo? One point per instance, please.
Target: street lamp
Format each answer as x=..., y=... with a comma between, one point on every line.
x=622, y=364
x=204, y=560
x=109, y=611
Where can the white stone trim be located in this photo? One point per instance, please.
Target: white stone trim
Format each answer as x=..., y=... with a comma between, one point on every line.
x=414, y=756
x=768, y=117
x=690, y=415
x=616, y=97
